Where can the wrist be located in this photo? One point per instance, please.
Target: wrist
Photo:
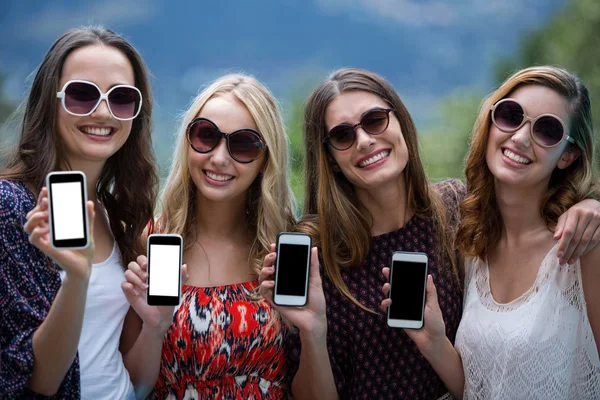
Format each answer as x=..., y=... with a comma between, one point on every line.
x=155, y=331
x=316, y=335
x=436, y=347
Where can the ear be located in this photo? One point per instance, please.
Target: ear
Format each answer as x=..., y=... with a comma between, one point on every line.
x=568, y=156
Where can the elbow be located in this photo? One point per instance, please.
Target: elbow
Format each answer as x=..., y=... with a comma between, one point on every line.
x=44, y=388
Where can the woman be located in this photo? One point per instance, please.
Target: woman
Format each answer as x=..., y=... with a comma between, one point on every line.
x=531, y=325
x=228, y=196
x=53, y=302
x=368, y=196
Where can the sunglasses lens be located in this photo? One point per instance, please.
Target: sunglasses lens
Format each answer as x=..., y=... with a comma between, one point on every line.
x=245, y=146
x=124, y=102
x=375, y=121
x=548, y=131
x=80, y=97
x=203, y=136
x=508, y=115
x=341, y=137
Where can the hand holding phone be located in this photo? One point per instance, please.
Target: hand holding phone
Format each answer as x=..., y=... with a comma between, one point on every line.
x=291, y=269
x=165, y=255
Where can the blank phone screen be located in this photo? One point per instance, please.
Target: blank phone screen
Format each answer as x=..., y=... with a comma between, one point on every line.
x=164, y=270
x=292, y=269
x=67, y=211
x=408, y=289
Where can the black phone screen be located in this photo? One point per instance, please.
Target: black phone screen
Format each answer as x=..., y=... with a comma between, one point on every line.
x=408, y=290
x=292, y=269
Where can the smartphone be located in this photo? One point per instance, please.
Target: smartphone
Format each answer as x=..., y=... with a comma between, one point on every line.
x=291, y=269
x=408, y=284
x=165, y=253
x=67, y=216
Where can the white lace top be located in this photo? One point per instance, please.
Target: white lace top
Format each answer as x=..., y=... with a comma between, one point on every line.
x=538, y=346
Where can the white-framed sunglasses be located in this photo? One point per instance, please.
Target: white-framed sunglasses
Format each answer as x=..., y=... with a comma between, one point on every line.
x=81, y=98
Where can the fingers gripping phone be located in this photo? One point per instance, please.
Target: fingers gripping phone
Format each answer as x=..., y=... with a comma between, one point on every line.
x=67, y=216
x=408, y=283
x=291, y=269
x=165, y=253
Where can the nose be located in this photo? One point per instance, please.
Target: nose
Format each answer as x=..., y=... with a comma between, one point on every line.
x=363, y=139
x=522, y=137
x=102, y=111
x=220, y=156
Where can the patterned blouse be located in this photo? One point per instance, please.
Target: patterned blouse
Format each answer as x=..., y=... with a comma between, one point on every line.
x=222, y=345
x=369, y=359
x=29, y=282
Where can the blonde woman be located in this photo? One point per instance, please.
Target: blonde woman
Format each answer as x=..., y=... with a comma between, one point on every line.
x=530, y=328
x=228, y=196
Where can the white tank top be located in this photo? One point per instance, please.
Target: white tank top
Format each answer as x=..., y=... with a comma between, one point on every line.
x=538, y=346
x=103, y=374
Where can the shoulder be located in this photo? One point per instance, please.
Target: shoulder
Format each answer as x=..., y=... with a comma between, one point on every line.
x=590, y=265
x=16, y=199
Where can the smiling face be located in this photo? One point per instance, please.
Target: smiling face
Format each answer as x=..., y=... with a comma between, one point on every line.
x=513, y=157
x=217, y=176
x=99, y=135
x=373, y=160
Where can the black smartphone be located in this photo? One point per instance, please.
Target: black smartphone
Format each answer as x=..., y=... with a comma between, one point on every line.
x=291, y=269
x=67, y=216
x=408, y=284
x=165, y=254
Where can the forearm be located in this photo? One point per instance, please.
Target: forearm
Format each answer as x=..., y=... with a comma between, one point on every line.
x=143, y=360
x=314, y=379
x=446, y=362
x=55, y=342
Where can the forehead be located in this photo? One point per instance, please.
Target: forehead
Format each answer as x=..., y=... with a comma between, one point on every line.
x=348, y=107
x=538, y=100
x=228, y=113
x=103, y=65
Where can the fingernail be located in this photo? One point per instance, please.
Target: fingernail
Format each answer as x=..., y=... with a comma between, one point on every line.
x=144, y=286
x=560, y=254
x=571, y=261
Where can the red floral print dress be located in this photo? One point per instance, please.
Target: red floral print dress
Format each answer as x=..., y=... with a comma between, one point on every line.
x=223, y=345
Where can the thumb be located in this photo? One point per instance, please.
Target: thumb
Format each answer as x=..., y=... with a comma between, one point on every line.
x=314, y=263
x=432, y=297
x=559, y=227
x=184, y=273
x=91, y=214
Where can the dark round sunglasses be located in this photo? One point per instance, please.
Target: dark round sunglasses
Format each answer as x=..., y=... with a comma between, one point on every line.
x=374, y=122
x=244, y=145
x=547, y=130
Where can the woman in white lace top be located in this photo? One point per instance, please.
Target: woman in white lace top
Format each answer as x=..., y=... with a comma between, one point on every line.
x=531, y=326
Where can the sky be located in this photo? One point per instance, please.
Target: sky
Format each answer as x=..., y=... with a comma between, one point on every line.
x=425, y=48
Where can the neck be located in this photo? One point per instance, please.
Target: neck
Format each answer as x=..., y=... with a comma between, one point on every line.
x=520, y=211
x=221, y=219
x=92, y=171
x=388, y=206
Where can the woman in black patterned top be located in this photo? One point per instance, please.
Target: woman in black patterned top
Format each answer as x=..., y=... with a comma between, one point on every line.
x=367, y=196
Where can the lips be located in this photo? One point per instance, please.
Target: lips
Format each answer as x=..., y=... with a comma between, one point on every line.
x=219, y=177
x=373, y=158
x=97, y=130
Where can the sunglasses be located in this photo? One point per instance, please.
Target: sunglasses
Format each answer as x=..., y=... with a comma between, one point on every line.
x=244, y=145
x=547, y=130
x=82, y=98
x=373, y=122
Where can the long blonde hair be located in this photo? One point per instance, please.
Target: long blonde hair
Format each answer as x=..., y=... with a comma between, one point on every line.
x=482, y=225
x=270, y=199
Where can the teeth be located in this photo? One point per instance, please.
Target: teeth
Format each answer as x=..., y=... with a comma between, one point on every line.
x=375, y=158
x=514, y=157
x=218, y=177
x=97, y=131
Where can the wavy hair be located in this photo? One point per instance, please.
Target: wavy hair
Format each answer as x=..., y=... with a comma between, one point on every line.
x=128, y=182
x=482, y=224
x=270, y=200
x=334, y=216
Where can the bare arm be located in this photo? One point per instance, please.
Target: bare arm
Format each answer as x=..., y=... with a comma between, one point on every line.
x=314, y=379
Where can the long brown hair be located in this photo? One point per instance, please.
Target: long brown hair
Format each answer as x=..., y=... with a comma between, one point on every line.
x=482, y=224
x=341, y=229
x=128, y=182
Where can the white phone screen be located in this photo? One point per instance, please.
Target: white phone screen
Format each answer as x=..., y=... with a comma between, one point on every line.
x=164, y=270
x=67, y=211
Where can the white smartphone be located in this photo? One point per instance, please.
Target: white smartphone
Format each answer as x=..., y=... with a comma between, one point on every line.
x=165, y=253
x=291, y=269
x=408, y=284
x=67, y=216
